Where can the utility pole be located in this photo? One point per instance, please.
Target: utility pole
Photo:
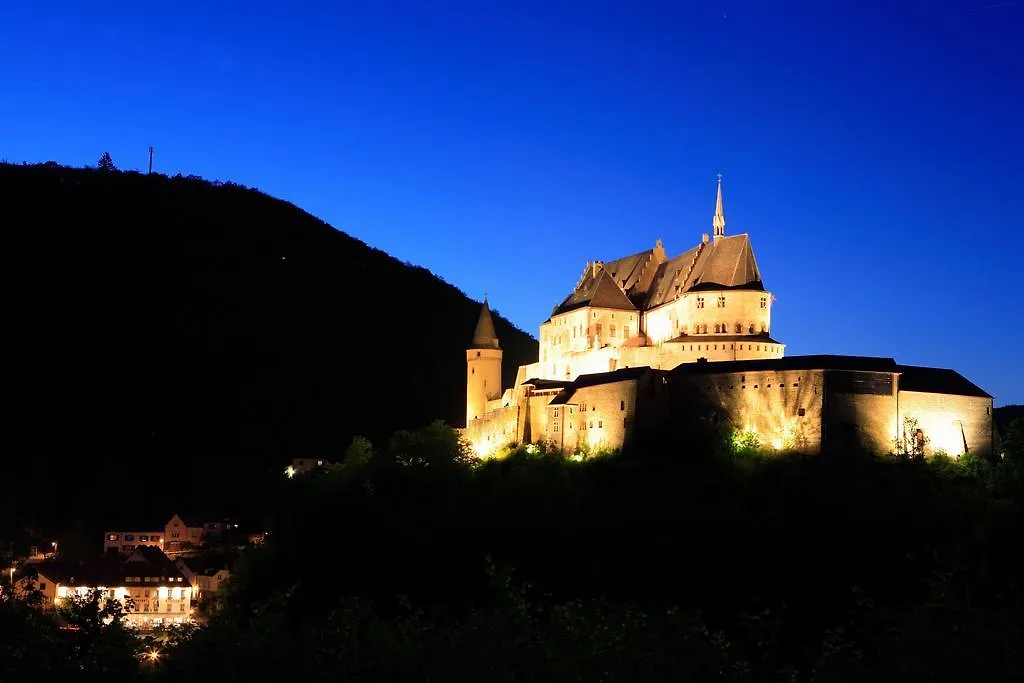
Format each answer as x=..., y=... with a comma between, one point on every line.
x=151, y=159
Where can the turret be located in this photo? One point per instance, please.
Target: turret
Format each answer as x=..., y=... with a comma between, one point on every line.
x=483, y=367
x=719, y=220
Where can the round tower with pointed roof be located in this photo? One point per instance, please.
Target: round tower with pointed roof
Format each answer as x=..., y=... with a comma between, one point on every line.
x=483, y=366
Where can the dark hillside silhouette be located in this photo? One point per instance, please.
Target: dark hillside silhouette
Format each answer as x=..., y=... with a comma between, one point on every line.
x=177, y=339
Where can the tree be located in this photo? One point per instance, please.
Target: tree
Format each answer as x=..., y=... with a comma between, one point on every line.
x=912, y=440
x=106, y=163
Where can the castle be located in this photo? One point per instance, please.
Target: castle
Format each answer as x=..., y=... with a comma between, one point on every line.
x=645, y=339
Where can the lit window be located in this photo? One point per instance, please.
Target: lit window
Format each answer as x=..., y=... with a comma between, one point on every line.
x=113, y=537
x=721, y=302
x=143, y=538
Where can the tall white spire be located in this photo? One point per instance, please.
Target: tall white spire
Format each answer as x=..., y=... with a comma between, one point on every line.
x=719, y=220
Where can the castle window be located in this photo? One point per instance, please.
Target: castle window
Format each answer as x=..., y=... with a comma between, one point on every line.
x=477, y=354
x=739, y=328
x=598, y=331
x=554, y=428
x=721, y=302
x=764, y=302
x=591, y=424
x=556, y=412
x=700, y=302
x=800, y=412
x=755, y=386
x=625, y=332
x=622, y=405
x=751, y=328
x=472, y=371
x=600, y=424
x=611, y=330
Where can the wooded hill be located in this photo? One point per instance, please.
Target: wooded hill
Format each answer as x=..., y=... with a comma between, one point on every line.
x=168, y=335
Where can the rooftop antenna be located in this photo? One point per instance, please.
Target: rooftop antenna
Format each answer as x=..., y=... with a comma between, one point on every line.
x=151, y=159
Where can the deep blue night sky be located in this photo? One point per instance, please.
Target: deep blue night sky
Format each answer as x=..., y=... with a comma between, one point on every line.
x=872, y=150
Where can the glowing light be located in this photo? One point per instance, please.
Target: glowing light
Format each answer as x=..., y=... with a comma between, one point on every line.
x=777, y=444
x=163, y=593
x=532, y=449
x=62, y=591
x=153, y=655
x=289, y=471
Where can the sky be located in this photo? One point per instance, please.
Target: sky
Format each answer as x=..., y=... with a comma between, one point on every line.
x=872, y=150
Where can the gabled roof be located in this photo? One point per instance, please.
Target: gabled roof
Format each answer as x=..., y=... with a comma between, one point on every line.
x=671, y=278
x=149, y=563
x=621, y=375
x=598, y=290
x=727, y=262
x=938, y=381
x=627, y=270
x=724, y=263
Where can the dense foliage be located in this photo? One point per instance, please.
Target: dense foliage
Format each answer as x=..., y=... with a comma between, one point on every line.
x=202, y=335
x=697, y=559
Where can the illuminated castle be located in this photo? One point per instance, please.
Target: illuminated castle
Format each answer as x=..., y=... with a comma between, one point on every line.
x=646, y=337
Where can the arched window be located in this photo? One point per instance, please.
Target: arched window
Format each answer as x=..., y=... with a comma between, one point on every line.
x=739, y=328
x=751, y=329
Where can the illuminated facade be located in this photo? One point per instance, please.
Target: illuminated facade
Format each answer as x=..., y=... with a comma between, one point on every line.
x=622, y=352
x=176, y=535
x=153, y=591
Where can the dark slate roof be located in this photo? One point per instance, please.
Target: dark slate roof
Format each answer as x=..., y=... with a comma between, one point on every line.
x=938, y=381
x=621, y=375
x=600, y=291
x=146, y=562
x=817, y=362
x=542, y=384
x=484, y=337
x=702, y=338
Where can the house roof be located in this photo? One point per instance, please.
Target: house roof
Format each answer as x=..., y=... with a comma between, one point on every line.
x=938, y=381
x=145, y=563
x=621, y=375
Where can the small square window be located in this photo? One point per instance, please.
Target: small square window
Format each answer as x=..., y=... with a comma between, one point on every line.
x=800, y=412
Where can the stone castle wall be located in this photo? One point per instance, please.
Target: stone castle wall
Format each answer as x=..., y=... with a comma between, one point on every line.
x=949, y=421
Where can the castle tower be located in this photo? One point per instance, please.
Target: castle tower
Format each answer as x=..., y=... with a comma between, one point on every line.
x=719, y=220
x=483, y=367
